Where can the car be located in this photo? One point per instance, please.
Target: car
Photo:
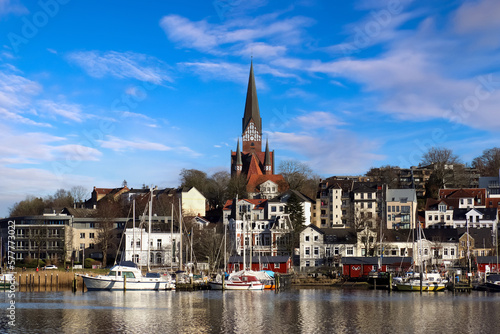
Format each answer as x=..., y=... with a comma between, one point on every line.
x=50, y=266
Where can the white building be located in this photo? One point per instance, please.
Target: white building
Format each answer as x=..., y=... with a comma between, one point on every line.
x=163, y=246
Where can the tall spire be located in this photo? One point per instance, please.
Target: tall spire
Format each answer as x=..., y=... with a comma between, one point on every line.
x=252, y=133
x=267, y=160
x=239, y=164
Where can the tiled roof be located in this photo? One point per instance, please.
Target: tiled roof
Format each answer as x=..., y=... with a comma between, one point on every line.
x=255, y=180
x=433, y=204
x=258, y=203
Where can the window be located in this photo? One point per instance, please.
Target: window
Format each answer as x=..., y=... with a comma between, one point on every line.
x=469, y=200
x=316, y=251
x=404, y=200
x=402, y=252
x=158, y=243
x=306, y=238
x=362, y=205
x=138, y=243
x=307, y=251
x=82, y=235
x=91, y=235
x=336, y=251
x=388, y=208
x=445, y=251
x=452, y=251
x=316, y=238
x=369, y=205
x=281, y=209
x=350, y=251
x=442, y=207
x=327, y=252
x=430, y=217
x=91, y=246
x=369, y=195
x=92, y=225
x=389, y=217
x=273, y=209
x=308, y=264
x=397, y=208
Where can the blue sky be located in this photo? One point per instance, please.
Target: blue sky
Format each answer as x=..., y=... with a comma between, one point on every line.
x=93, y=93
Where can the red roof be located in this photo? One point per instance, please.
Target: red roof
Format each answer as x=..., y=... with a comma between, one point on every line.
x=258, y=203
x=254, y=181
x=479, y=194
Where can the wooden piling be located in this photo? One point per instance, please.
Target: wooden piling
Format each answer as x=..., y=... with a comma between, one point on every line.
x=57, y=281
x=124, y=283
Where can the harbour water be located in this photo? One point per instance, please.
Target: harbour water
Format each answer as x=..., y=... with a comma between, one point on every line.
x=292, y=311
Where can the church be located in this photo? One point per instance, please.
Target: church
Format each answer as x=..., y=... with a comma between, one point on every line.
x=250, y=161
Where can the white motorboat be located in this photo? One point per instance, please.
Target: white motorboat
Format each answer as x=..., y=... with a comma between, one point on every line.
x=127, y=276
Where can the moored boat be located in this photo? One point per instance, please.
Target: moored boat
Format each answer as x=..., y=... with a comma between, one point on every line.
x=127, y=275
x=241, y=280
x=430, y=282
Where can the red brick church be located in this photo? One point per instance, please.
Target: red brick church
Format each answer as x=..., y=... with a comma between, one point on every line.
x=250, y=160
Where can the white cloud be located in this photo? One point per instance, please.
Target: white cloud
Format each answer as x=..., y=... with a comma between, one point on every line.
x=66, y=110
x=318, y=119
x=242, y=33
x=118, y=144
x=121, y=65
x=12, y=6
x=334, y=153
x=38, y=147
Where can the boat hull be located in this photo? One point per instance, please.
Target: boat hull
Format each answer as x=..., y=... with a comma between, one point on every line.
x=416, y=287
x=236, y=286
x=110, y=284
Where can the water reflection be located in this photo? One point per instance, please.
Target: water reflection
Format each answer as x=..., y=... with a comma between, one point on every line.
x=294, y=311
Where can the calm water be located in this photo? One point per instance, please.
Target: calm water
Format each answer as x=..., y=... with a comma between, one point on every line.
x=294, y=311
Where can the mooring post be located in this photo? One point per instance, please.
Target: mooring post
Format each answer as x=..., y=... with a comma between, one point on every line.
x=124, y=283
x=57, y=281
x=74, y=284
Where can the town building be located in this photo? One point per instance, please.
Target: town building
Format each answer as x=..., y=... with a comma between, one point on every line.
x=401, y=208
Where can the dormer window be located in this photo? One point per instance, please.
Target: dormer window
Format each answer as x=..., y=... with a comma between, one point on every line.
x=442, y=207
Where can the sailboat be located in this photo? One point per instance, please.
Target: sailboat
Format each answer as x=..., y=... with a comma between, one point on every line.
x=421, y=281
x=241, y=280
x=126, y=275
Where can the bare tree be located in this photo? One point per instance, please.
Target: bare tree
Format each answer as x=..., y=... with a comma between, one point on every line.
x=106, y=214
x=79, y=193
x=386, y=174
x=237, y=186
x=218, y=188
x=194, y=178
x=442, y=160
x=488, y=164
x=295, y=173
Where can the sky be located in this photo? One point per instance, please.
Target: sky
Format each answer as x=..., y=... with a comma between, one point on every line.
x=93, y=93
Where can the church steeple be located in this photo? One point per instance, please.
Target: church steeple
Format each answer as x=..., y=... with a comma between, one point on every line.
x=268, y=165
x=252, y=122
x=239, y=163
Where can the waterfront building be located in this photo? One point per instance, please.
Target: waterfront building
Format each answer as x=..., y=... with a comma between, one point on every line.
x=401, y=208
x=163, y=244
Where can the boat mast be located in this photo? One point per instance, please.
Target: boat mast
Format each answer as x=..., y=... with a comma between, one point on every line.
x=180, y=232
x=172, y=237
x=149, y=225
x=133, y=231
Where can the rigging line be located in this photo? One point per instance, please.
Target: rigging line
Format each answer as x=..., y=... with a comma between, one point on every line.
x=121, y=239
